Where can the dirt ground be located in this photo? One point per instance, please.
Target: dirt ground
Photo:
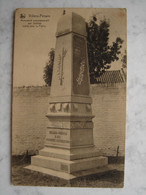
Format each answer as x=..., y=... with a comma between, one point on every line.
x=23, y=177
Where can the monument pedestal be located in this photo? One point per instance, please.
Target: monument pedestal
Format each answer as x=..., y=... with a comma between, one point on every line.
x=66, y=169
x=69, y=150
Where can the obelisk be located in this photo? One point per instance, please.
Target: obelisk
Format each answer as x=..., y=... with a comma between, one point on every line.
x=69, y=150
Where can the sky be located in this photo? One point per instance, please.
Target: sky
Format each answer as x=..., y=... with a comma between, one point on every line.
x=34, y=36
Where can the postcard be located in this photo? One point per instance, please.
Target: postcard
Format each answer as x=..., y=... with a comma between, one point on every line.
x=69, y=97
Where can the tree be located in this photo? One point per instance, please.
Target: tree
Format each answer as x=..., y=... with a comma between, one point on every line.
x=124, y=60
x=49, y=68
x=100, y=53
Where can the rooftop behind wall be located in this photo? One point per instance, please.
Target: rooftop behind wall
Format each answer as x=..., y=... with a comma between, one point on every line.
x=113, y=76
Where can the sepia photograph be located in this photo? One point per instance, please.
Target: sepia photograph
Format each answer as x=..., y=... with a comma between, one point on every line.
x=69, y=97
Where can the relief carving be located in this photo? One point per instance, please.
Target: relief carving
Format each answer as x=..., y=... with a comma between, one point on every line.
x=81, y=73
x=58, y=106
x=75, y=107
x=60, y=65
x=52, y=107
x=88, y=107
x=65, y=107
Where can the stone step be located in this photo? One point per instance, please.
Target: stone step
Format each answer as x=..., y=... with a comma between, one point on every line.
x=69, y=154
x=69, y=166
x=70, y=176
x=55, y=153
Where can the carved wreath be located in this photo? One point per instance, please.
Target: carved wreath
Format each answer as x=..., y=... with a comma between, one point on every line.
x=81, y=73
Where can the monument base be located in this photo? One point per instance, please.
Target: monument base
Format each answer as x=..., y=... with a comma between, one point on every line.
x=68, y=176
x=68, y=164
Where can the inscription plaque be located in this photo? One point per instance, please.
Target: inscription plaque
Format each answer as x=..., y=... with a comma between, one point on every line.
x=57, y=136
x=80, y=73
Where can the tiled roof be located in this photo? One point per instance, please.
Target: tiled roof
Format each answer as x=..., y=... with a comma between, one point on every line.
x=113, y=76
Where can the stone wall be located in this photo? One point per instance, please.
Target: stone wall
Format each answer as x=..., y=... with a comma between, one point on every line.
x=29, y=122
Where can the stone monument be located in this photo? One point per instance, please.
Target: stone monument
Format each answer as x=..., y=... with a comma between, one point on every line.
x=69, y=150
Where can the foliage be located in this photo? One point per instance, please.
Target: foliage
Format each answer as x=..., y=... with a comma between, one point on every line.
x=100, y=53
x=124, y=60
x=49, y=68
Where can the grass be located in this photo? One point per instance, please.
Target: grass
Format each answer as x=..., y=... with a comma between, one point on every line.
x=23, y=177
